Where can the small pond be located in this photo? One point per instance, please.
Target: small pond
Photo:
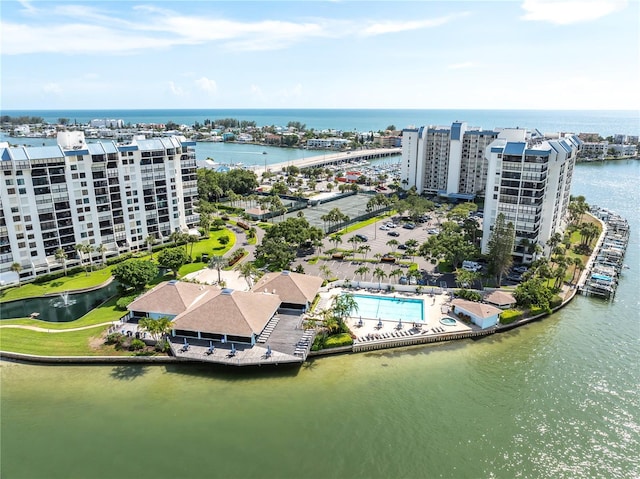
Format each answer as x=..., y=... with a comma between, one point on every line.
x=60, y=308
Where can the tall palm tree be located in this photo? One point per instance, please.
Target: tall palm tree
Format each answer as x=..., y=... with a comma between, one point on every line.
x=102, y=249
x=80, y=252
x=16, y=268
x=89, y=249
x=393, y=244
x=364, y=249
x=344, y=305
x=380, y=274
x=248, y=270
x=218, y=262
x=61, y=256
x=192, y=240
x=578, y=264
x=326, y=271
x=396, y=273
x=362, y=271
x=150, y=240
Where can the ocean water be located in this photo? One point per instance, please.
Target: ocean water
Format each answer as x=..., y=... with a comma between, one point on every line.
x=605, y=122
x=555, y=399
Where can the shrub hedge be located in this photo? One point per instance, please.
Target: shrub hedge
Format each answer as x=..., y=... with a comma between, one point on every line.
x=510, y=315
x=337, y=340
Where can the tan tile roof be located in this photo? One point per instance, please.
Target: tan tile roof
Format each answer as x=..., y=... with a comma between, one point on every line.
x=170, y=297
x=238, y=313
x=295, y=288
x=500, y=298
x=480, y=310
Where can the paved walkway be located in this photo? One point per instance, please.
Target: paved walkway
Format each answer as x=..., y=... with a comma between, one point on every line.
x=46, y=330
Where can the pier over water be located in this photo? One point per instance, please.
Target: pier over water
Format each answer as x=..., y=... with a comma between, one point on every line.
x=339, y=158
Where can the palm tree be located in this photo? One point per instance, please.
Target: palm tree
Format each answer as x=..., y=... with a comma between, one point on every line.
x=158, y=328
x=16, y=268
x=80, y=250
x=380, y=274
x=396, y=273
x=218, y=262
x=364, y=249
x=89, y=249
x=336, y=239
x=247, y=269
x=61, y=256
x=102, y=249
x=326, y=271
x=150, y=240
x=192, y=239
x=362, y=270
x=393, y=244
x=354, y=240
x=554, y=241
x=344, y=305
x=578, y=264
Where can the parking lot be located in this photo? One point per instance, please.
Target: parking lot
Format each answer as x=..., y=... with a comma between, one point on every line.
x=377, y=239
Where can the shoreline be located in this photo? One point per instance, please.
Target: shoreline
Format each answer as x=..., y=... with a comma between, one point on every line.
x=388, y=343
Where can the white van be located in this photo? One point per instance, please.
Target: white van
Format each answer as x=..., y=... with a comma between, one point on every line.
x=471, y=266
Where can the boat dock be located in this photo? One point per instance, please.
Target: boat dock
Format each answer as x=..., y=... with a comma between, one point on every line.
x=602, y=273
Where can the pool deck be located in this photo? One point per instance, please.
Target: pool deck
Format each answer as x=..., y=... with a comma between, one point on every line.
x=436, y=306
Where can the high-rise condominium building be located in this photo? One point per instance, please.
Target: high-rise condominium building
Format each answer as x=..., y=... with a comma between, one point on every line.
x=530, y=183
x=448, y=162
x=96, y=194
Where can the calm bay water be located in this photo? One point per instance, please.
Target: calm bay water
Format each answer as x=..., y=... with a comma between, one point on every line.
x=558, y=398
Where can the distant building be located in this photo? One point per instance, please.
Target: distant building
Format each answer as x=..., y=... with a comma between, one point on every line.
x=445, y=161
x=57, y=197
x=104, y=123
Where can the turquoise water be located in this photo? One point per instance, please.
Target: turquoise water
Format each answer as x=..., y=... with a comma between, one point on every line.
x=598, y=121
x=448, y=321
x=389, y=309
x=555, y=399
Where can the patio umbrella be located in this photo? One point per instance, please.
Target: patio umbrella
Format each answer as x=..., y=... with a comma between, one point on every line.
x=268, y=350
x=233, y=348
x=212, y=348
x=379, y=323
x=400, y=324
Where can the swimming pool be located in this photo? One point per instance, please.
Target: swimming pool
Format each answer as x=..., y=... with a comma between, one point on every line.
x=390, y=309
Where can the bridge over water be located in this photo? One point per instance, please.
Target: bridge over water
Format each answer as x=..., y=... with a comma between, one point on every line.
x=340, y=158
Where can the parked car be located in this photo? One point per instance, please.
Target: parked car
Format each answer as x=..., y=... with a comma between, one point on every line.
x=403, y=280
x=402, y=246
x=362, y=237
x=393, y=233
x=384, y=227
x=408, y=226
x=391, y=225
x=433, y=231
x=471, y=266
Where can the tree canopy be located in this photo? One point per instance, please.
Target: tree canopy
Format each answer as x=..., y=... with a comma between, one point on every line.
x=500, y=246
x=212, y=185
x=173, y=259
x=135, y=273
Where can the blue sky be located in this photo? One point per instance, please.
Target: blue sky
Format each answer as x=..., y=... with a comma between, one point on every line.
x=527, y=54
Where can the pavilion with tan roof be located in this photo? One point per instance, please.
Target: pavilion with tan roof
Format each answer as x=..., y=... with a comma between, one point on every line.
x=296, y=290
x=208, y=312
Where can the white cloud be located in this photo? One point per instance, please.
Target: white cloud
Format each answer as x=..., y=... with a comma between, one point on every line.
x=403, y=26
x=570, y=11
x=175, y=89
x=207, y=85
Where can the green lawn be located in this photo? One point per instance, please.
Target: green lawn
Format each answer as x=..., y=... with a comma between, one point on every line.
x=211, y=246
x=65, y=283
x=362, y=224
x=73, y=343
